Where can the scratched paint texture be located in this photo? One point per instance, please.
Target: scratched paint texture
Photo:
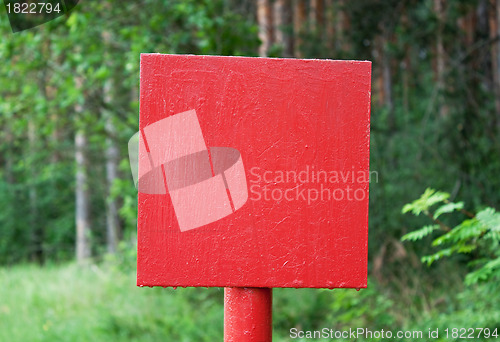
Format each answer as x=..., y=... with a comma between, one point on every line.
x=247, y=314
x=281, y=115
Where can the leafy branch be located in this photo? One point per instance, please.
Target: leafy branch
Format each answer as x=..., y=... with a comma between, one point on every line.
x=479, y=233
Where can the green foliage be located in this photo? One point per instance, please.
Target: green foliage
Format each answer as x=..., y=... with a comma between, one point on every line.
x=427, y=200
x=474, y=307
x=50, y=70
x=448, y=208
x=420, y=233
x=101, y=304
x=479, y=234
x=412, y=145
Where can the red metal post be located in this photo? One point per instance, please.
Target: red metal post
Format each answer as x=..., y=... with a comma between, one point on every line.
x=248, y=314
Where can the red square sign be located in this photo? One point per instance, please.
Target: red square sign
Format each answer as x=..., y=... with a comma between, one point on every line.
x=253, y=172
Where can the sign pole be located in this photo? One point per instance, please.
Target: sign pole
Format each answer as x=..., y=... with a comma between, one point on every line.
x=248, y=314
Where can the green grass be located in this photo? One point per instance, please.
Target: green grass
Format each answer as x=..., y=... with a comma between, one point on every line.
x=67, y=303
x=101, y=303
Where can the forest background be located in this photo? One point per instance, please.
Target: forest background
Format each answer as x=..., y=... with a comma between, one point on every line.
x=68, y=206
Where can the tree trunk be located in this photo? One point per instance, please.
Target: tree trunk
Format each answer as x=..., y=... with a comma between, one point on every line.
x=497, y=48
x=342, y=25
x=495, y=54
x=265, y=22
x=36, y=228
x=316, y=15
x=440, y=56
x=112, y=157
x=387, y=78
x=55, y=137
x=299, y=20
x=282, y=24
x=330, y=11
x=406, y=67
x=467, y=24
x=9, y=162
x=379, y=70
x=383, y=75
x=83, y=228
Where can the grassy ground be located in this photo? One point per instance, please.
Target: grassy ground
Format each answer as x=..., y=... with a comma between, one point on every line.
x=70, y=304
x=101, y=303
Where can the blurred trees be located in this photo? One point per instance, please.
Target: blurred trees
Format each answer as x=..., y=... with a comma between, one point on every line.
x=435, y=91
x=69, y=103
x=69, y=93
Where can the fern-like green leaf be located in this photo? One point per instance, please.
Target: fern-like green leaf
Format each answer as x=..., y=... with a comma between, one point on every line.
x=493, y=236
x=462, y=233
x=479, y=234
x=407, y=207
x=427, y=200
x=484, y=273
x=466, y=249
x=420, y=233
x=478, y=275
x=448, y=208
x=443, y=238
x=468, y=229
x=429, y=259
x=490, y=218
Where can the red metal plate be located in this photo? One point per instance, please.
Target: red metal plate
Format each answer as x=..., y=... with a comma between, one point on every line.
x=282, y=200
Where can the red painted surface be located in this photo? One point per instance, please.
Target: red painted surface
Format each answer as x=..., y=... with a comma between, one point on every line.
x=247, y=314
x=205, y=184
x=284, y=117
